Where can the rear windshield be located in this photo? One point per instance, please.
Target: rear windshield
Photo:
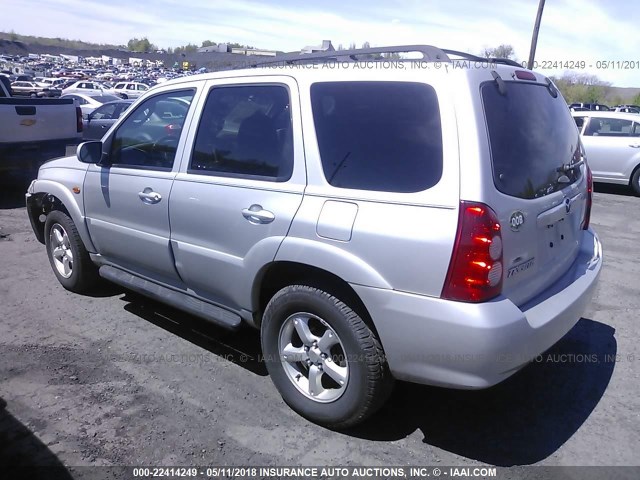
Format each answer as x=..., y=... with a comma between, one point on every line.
x=382, y=136
x=532, y=135
x=105, y=98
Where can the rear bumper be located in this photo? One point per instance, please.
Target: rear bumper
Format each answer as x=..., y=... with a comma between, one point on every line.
x=462, y=345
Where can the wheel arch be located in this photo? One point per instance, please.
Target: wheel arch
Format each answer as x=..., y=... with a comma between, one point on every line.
x=47, y=196
x=279, y=274
x=634, y=170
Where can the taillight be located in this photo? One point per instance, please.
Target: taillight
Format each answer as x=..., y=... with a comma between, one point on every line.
x=475, y=271
x=172, y=129
x=587, y=208
x=79, y=119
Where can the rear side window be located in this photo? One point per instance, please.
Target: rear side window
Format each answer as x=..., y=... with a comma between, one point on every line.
x=532, y=135
x=609, y=127
x=382, y=136
x=245, y=131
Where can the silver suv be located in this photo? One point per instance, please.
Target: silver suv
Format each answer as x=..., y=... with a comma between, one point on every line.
x=421, y=220
x=130, y=89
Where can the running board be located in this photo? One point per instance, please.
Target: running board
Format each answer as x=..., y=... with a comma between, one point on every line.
x=219, y=316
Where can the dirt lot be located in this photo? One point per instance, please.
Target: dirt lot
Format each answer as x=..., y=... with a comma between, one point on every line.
x=114, y=379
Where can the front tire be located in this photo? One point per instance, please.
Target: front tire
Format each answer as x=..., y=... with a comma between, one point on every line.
x=67, y=254
x=327, y=364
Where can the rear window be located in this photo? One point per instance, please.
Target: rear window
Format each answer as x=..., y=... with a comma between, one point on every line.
x=105, y=98
x=383, y=136
x=532, y=135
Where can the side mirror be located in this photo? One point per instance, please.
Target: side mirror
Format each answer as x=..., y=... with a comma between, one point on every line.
x=90, y=152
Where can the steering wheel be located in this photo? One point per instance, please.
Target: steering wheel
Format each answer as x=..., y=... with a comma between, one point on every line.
x=165, y=148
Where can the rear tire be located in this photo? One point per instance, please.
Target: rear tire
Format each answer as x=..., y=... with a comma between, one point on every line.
x=327, y=364
x=635, y=181
x=67, y=254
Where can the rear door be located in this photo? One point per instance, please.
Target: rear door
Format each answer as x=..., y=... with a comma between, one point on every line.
x=234, y=200
x=542, y=197
x=610, y=143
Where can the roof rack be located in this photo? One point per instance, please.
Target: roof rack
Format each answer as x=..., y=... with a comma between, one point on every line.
x=476, y=58
x=429, y=53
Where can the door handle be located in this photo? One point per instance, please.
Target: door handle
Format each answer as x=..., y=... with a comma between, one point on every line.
x=256, y=214
x=634, y=145
x=149, y=196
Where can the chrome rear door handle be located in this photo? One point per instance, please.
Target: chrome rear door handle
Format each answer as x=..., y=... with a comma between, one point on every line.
x=256, y=214
x=149, y=196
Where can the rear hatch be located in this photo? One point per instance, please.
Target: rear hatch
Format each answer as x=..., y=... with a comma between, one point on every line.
x=537, y=169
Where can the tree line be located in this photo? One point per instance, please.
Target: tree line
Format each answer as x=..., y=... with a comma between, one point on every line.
x=143, y=45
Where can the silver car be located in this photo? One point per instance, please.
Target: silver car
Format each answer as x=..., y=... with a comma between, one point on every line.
x=612, y=144
x=89, y=102
x=130, y=89
x=410, y=222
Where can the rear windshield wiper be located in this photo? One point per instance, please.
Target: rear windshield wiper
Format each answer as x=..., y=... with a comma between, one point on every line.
x=567, y=167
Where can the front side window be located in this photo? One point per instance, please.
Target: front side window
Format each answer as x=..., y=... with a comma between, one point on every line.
x=148, y=138
x=245, y=131
x=382, y=136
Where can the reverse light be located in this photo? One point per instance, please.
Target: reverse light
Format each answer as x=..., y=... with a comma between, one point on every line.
x=475, y=272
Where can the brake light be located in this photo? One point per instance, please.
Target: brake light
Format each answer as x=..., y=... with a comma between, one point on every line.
x=475, y=271
x=587, y=208
x=172, y=129
x=525, y=75
x=79, y=125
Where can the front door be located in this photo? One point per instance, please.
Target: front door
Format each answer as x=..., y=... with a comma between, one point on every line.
x=127, y=199
x=610, y=143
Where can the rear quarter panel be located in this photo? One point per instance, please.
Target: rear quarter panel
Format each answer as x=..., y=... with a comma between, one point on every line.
x=401, y=241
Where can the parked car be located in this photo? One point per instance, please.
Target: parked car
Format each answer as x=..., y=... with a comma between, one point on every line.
x=430, y=225
x=102, y=118
x=88, y=103
x=130, y=89
x=33, y=130
x=33, y=89
x=85, y=86
x=612, y=143
x=627, y=109
x=590, y=106
x=53, y=82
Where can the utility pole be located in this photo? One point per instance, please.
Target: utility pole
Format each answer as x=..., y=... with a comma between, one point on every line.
x=534, y=38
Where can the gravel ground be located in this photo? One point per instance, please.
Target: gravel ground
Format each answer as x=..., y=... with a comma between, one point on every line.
x=115, y=379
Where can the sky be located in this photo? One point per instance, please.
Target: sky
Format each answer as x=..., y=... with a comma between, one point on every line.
x=593, y=31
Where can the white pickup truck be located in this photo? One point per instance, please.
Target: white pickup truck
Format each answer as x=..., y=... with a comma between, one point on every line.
x=33, y=131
